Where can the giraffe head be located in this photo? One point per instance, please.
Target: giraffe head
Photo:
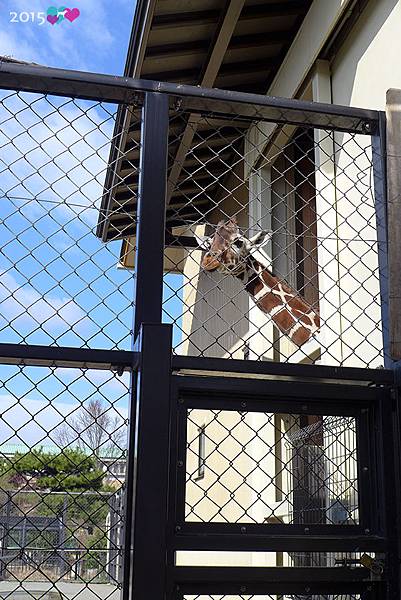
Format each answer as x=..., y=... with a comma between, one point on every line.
x=228, y=251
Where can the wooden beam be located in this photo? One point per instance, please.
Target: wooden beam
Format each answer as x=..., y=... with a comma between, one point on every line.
x=258, y=11
x=211, y=69
x=183, y=19
x=319, y=23
x=266, y=38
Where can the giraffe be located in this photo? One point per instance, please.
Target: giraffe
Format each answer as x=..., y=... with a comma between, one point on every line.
x=230, y=252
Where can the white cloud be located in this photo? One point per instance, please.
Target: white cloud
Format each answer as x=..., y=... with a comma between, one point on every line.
x=25, y=303
x=12, y=44
x=69, y=45
x=56, y=150
x=31, y=422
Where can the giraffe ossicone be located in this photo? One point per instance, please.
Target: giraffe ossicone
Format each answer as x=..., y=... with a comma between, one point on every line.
x=227, y=251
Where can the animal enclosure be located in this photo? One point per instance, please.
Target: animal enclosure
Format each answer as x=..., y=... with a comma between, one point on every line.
x=314, y=185
x=166, y=253
x=313, y=191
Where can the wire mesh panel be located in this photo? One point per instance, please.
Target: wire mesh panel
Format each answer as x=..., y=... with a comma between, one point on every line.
x=63, y=440
x=59, y=284
x=63, y=431
x=285, y=263
x=256, y=467
x=271, y=253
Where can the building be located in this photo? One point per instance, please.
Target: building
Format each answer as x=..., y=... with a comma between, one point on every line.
x=311, y=187
x=266, y=47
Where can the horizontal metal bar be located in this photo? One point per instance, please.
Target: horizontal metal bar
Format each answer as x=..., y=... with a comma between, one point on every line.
x=372, y=590
x=110, y=88
x=274, y=543
x=274, y=406
x=268, y=575
x=240, y=389
x=225, y=365
x=53, y=356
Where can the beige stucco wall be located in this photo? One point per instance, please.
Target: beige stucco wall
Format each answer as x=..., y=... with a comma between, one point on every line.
x=215, y=321
x=364, y=69
x=238, y=486
x=368, y=63
x=366, y=66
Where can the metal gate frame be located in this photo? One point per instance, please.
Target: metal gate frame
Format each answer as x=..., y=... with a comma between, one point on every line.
x=152, y=531
x=374, y=408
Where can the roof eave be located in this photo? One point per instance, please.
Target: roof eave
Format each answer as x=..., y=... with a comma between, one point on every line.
x=141, y=23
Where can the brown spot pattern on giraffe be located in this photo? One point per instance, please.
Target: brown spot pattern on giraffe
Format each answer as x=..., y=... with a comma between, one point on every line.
x=283, y=319
x=301, y=336
x=297, y=315
x=209, y=263
x=298, y=305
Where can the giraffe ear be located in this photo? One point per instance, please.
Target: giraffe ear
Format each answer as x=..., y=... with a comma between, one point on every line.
x=260, y=239
x=204, y=242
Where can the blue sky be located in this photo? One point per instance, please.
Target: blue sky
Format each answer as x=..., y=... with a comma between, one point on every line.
x=59, y=284
x=96, y=41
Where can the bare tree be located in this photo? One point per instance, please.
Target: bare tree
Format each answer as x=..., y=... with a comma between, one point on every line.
x=94, y=428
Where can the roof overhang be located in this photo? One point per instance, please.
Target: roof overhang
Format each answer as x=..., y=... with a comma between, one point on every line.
x=235, y=44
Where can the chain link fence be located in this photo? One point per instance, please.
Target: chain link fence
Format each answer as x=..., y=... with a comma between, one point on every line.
x=62, y=470
x=63, y=431
x=247, y=467
x=272, y=253
x=48, y=536
x=59, y=284
x=309, y=290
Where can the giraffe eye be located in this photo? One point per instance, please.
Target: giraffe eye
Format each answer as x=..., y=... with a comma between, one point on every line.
x=237, y=243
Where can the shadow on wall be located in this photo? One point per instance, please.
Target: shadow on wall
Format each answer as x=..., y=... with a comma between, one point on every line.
x=220, y=322
x=353, y=71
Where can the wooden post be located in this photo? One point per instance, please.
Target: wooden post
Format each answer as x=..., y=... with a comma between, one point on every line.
x=393, y=114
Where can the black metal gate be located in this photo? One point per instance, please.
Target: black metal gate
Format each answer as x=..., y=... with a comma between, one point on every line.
x=244, y=477
x=329, y=533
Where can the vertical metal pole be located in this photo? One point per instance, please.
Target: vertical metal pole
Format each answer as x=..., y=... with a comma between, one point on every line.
x=113, y=540
x=150, y=230
x=6, y=529
x=61, y=541
x=380, y=192
x=128, y=498
x=148, y=297
x=151, y=569
x=388, y=490
x=396, y=416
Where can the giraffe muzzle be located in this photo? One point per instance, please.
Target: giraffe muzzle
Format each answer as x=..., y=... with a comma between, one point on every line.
x=210, y=263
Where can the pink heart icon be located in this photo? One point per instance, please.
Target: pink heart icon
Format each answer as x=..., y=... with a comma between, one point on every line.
x=52, y=19
x=71, y=14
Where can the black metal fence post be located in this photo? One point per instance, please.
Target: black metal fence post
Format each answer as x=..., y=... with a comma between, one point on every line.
x=149, y=573
x=5, y=532
x=61, y=538
x=148, y=297
x=129, y=493
x=393, y=512
x=151, y=211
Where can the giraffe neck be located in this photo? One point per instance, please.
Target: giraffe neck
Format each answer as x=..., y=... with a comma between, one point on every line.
x=289, y=311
